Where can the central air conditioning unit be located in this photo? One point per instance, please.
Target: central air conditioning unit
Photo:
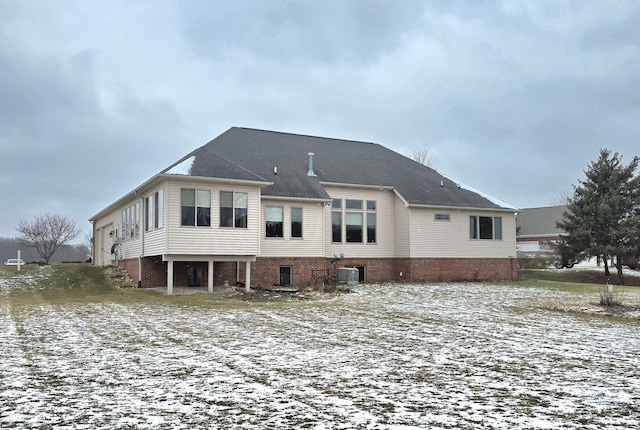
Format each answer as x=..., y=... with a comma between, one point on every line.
x=347, y=275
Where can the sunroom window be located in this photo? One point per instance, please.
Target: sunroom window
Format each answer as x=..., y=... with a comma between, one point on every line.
x=195, y=207
x=233, y=209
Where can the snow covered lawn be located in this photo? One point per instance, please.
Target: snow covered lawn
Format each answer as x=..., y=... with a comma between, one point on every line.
x=383, y=357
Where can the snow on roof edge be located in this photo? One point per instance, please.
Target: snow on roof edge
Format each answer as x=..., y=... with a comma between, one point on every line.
x=489, y=197
x=183, y=168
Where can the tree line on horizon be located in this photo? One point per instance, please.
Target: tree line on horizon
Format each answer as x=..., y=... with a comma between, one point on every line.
x=9, y=247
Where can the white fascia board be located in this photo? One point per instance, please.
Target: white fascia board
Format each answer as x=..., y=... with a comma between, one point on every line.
x=193, y=257
x=404, y=201
x=294, y=199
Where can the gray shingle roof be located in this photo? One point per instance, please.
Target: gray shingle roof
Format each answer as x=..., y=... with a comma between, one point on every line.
x=540, y=221
x=242, y=153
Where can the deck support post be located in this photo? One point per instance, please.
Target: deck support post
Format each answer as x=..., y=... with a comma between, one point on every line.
x=170, y=277
x=247, y=276
x=210, y=276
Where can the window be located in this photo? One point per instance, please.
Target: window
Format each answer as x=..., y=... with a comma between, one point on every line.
x=154, y=211
x=443, y=217
x=203, y=207
x=353, y=204
x=362, y=273
x=196, y=207
x=188, y=207
x=353, y=222
x=274, y=223
x=159, y=209
x=485, y=227
x=148, y=210
x=233, y=209
x=285, y=275
x=371, y=221
x=296, y=222
x=356, y=213
x=336, y=221
x=131, y=222
x=371, y=228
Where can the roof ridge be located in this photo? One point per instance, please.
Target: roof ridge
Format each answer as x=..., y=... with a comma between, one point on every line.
x=304, y=135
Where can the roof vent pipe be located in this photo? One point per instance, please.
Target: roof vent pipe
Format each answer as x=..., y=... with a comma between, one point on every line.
x=311, y=172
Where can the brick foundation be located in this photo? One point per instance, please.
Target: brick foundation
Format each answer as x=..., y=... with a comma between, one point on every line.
x=131, y=265
x=265, y=271
x=462, y=269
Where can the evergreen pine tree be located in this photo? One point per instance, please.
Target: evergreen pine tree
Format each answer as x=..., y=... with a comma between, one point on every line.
x=603, y=215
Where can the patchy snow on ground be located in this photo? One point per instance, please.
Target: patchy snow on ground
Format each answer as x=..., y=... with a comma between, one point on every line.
x=383, y=357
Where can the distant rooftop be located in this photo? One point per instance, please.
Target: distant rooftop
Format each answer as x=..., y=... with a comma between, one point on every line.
x=540, y=221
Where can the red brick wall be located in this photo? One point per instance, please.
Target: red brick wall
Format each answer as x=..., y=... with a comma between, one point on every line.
x=463, y=269
x=131, y=265
x=265, y=271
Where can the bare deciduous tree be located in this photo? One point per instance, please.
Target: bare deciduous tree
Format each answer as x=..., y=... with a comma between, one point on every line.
x=563, y=199
x=423, y=155
x=46, y=233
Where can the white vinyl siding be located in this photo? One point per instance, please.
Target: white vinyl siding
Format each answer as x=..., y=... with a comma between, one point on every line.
x=311, y=242
x=213, y=240
x=402, y=229
x=130, y=248
x=156, y=237
x=384, y=247
x=431, y=238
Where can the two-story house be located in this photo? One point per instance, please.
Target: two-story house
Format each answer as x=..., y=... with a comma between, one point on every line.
x=268, y=208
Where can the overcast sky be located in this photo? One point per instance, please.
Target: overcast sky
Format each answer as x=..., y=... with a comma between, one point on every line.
x=514, y=98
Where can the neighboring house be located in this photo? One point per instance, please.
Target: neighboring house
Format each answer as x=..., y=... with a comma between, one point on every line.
x=266, y=208
x=537, y=230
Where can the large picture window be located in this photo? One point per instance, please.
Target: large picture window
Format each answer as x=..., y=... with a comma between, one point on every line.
x=485, y=227
x=353, y=222
x=274, y=222
x=233, y=209
x=195, y=207
x=355, y=214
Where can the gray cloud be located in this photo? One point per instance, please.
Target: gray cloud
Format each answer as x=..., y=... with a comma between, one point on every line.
x=514, y=98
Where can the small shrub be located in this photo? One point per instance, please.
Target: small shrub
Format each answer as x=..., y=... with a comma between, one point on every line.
x=609, y=296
